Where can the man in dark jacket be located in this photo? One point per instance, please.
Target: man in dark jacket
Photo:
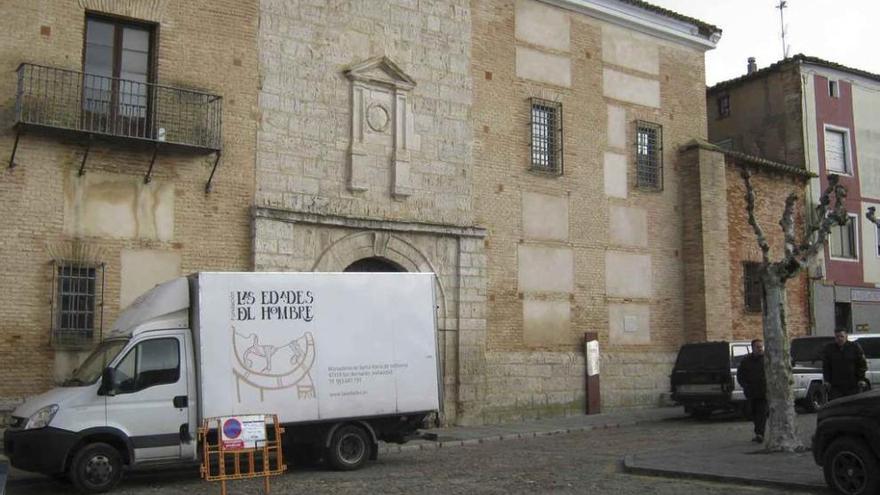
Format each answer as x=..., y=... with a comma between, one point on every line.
x=750, y=375
x=843, y=366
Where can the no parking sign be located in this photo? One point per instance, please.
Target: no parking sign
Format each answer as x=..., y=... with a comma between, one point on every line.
x=243, y=432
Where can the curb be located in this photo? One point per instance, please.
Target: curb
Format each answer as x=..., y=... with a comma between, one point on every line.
x=447, y=444
x=631, y=466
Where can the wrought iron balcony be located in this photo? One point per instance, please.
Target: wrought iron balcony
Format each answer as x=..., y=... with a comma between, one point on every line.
x=54, y=98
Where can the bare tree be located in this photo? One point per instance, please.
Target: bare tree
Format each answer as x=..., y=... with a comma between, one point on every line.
x=782, y=430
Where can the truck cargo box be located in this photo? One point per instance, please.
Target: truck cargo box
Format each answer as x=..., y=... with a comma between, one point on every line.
x=315, y=346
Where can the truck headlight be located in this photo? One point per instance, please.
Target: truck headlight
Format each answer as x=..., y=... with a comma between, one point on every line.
x=41, y=418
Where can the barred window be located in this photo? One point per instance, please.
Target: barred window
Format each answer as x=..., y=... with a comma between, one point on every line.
x=546, y=129
x=753, y=288
x=649, y=156
x=77, y=303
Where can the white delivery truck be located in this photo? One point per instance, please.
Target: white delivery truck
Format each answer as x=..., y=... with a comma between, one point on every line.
x=343, y=359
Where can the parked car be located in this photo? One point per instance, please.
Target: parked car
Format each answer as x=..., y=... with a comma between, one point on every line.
x=847, y=443
x=704, y=379
x=807, y=351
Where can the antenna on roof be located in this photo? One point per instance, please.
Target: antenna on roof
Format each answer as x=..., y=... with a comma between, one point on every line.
x=783, y=4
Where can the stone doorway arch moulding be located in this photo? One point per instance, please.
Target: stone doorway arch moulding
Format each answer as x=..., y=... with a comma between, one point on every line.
x=378, y=244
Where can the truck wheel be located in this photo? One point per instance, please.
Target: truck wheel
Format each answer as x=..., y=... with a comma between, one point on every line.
x=96, y=468
x=349, y=448
x=701, y=412
x=816, y=397
x=851, y=468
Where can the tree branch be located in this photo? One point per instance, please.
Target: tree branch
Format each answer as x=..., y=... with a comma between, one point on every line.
x=870, y=216
x=787, y=223
x=827, y=218
x=750, y=204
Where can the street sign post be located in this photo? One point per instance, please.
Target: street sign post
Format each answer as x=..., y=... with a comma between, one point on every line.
x=244, y=447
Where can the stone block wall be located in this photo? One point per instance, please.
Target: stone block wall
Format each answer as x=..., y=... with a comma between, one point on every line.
x=411, y=158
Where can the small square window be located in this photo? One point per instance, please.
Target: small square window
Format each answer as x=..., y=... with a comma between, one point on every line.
x=723, y=106
x=649, y=156
x=546, y=136
x=833, y=88
x=753, y=287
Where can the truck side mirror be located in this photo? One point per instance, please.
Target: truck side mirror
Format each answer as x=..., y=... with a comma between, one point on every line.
x=108, y=380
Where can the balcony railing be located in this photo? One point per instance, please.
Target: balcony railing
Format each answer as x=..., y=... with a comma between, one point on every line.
x=97, y=105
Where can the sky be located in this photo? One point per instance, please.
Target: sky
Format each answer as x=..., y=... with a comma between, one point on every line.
x=842, y=31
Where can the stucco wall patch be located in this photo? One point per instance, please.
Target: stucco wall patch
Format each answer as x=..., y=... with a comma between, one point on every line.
x=631, y=89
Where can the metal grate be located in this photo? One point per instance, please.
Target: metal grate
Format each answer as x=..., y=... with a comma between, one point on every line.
x=649, y=156
x=65, y=99
x=546, y=139
x=78, y=293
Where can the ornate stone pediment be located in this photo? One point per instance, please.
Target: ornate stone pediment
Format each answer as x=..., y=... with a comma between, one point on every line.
x=380, y=71
x=381, y=125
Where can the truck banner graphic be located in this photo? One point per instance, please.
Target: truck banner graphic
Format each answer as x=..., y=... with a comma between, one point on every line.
x=315, y=346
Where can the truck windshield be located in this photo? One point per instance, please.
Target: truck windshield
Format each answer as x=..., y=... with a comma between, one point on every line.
x=91, y=369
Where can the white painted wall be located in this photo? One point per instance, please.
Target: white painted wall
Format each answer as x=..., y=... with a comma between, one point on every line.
x=543, y=67
x=615, y=175
x=628, y=275
x=545, y=217
x=629, y=49
x=631, y=89
x=545, y=269
x=542, y=25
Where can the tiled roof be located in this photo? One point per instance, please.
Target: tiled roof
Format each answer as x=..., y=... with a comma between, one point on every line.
x=799, y=58
x=751, y=159
x=705, y=28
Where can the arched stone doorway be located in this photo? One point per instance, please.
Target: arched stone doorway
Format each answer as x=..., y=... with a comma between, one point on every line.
x=374, y=264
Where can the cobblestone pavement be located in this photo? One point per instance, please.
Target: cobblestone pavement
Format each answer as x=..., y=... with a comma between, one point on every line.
x=587, y=462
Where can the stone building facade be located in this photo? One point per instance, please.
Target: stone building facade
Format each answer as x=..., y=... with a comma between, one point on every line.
x=107, y=195
x=364, y=156
x=586, y=244
x=402, y=137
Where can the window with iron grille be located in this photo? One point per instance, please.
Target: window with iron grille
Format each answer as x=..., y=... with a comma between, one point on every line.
x=649, y=156
x=753, y=288
x=77, y=305
x=546, y=129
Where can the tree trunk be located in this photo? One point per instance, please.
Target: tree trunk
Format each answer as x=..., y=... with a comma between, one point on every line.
x=781, y=427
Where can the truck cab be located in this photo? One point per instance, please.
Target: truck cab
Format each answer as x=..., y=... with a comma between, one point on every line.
x=131, y=402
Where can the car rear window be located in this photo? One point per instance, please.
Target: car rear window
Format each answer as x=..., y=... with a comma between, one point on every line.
x=707, y=355
x=808, y=349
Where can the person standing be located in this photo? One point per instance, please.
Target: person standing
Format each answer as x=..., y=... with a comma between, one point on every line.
x=750, y=375
x=843, y=366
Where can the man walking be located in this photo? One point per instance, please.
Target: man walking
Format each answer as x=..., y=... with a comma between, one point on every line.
x=843, y=366
x=750, y=375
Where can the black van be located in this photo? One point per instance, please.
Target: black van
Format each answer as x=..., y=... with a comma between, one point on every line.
x=702, y=380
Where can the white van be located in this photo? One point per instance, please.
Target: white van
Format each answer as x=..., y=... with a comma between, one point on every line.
x=344, y=360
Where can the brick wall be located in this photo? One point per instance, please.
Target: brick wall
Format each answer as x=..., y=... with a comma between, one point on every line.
x=517, y=363
x=204, y=45
x=771, y=189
